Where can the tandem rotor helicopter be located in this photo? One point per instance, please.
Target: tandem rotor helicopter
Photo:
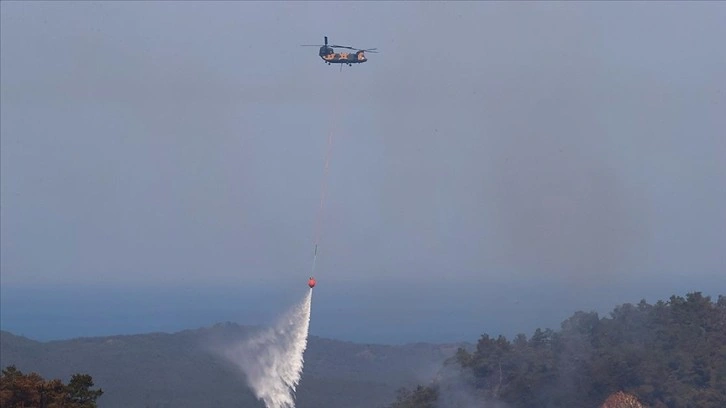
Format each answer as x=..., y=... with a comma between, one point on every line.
x=331, y=57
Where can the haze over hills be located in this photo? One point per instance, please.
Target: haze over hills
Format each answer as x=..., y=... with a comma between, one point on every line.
x=163, y=169
x=182, y=369
x=666, y=354
x=393, y=311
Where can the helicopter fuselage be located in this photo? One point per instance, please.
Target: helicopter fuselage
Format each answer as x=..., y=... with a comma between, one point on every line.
x=332, y=57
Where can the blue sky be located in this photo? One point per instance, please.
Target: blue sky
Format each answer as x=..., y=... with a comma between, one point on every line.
x=489, y=150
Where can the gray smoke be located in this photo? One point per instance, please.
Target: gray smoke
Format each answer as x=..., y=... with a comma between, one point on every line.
x=456, y=390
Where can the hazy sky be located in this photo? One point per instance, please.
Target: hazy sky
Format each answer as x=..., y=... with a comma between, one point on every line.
x=488, y=145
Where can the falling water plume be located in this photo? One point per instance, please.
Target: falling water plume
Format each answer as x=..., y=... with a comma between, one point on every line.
x=273, y=359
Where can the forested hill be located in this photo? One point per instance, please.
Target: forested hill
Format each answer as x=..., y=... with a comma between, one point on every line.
x=179, y=370
x=669, y=354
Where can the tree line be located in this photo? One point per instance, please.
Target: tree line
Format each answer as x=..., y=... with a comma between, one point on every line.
x=666, y=355
x=31, y=390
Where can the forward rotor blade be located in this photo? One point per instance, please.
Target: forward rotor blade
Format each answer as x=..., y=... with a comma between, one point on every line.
x=373, y=50
x=355, y=49
x=343, y=46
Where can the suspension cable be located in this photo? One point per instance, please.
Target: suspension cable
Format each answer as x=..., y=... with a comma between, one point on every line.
x=324, y=183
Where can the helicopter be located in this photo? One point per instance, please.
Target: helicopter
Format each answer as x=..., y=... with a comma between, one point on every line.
x=331, y=57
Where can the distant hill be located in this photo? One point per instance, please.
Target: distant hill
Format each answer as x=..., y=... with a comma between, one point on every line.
x=179, y=370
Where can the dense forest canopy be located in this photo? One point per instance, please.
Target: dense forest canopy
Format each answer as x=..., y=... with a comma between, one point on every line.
x=670, y=354
x=31, y=390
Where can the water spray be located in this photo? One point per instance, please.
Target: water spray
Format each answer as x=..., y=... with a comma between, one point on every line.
x=272, y=360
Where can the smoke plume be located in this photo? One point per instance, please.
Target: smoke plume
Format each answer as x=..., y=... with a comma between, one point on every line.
x=455, y=389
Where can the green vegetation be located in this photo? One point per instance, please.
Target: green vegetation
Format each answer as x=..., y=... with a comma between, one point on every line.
x=670, y=354
x=32, y=390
